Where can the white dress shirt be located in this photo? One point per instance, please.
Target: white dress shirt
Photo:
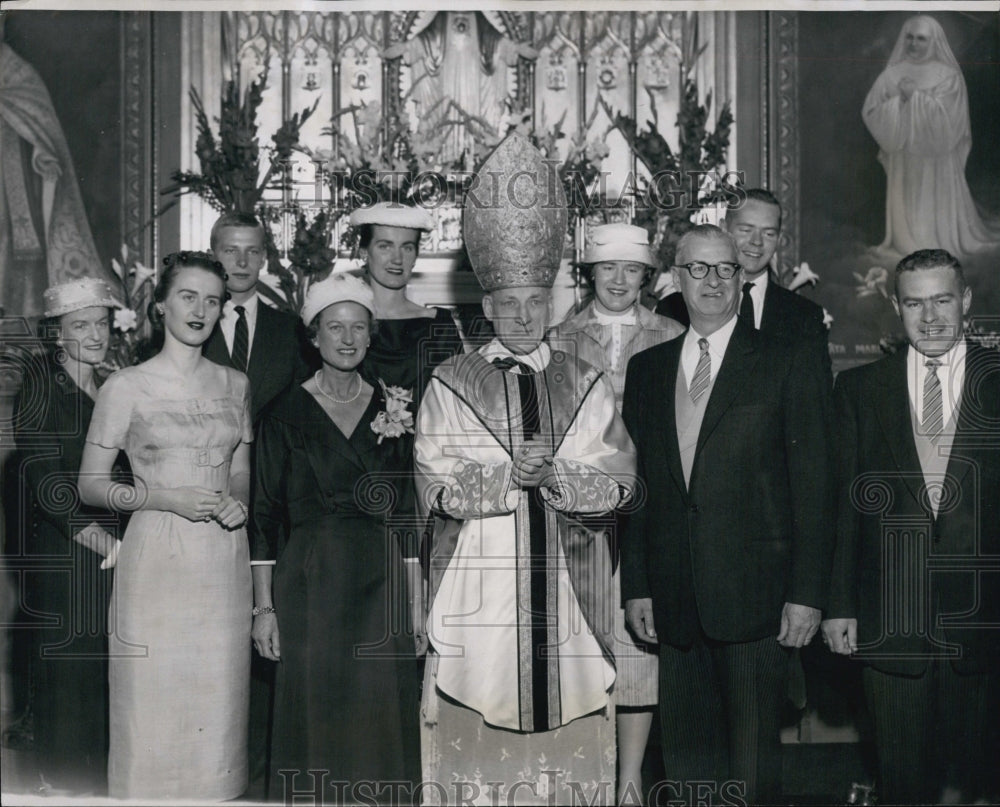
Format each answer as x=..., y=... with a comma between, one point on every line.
x=951, y=374
x=627, y=317
x=227, y=324
x=757, y=292
x=717, y=344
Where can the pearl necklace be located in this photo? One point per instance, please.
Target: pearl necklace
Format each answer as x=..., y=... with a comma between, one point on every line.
x=328, y=396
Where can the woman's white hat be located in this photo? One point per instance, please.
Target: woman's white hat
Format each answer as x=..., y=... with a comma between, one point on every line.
x=75, y=295
x=341, y=287
x=393, y=214
x=619, y=242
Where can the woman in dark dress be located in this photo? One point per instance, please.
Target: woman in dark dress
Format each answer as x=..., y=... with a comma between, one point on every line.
x=411, y=339
x=77, y=543
x=333, y=494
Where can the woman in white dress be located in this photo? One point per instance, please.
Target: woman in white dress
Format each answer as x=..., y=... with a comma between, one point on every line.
x=180, y=616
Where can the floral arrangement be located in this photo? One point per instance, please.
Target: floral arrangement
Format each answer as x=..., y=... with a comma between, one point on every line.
x=230, y=164
x=310, y=258
x=396, y=419
x=130, y=328
x=383, y=159
x=672, y=206
x=230, y=181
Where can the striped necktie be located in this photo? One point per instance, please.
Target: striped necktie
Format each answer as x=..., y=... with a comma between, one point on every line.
x=241, y=340
x=702, y=373
x=933, y=419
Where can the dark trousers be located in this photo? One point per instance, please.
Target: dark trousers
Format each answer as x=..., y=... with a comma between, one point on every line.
x=932, y=731
x=720, y=719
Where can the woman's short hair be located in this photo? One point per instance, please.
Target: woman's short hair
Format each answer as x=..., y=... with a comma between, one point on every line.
x=172, y=265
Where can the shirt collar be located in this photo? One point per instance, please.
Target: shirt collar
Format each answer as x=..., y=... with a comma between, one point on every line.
x=537, y=360
x=951, y=362
x=627, y=317
x=249, y=306
x=718, y=341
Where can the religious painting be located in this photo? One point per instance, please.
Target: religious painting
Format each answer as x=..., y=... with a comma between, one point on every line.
x=897, y=118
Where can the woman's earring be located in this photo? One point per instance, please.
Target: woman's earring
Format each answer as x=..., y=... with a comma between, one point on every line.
x=159, y=310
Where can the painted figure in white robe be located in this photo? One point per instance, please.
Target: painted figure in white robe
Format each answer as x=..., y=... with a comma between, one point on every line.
x=460, y=59
x=522, y=457
x=918, y=112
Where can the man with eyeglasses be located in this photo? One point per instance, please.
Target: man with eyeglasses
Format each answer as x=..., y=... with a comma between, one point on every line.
x=726, y=564
x=756, y=229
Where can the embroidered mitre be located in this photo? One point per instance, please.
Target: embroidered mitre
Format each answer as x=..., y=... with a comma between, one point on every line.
x=515, y=219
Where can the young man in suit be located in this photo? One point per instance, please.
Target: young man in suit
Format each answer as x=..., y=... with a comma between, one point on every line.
x=726, y=565
x=756, y=227
x=270, y=347
x=915, y=591
x=266, y=344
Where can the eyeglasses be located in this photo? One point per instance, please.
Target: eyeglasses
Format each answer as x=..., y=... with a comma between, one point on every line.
x=724, y=269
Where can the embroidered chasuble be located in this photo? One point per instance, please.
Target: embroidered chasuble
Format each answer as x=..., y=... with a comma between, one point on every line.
x=521, y=608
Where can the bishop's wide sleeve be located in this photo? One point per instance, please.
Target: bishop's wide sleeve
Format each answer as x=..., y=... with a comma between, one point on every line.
x=269, y=497
x=461, y=471
x=594, y=466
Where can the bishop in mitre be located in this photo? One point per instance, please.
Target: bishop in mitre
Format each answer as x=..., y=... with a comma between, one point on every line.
x=521, y=456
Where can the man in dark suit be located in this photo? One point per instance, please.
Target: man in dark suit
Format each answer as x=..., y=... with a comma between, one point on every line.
x=756, y=227
x=726, y=562
x=270, y=347
x=915, y=591
x=266, y=344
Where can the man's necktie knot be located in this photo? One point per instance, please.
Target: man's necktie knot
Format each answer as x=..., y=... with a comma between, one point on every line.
x=508, y=363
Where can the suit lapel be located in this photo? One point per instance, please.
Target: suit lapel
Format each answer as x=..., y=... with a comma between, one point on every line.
x=668, y=423
x=324, y=435
x=215, y=348
x=737, y=365
x=973, y=409
x=773, y=319
x=263, y=334
x=892, y=408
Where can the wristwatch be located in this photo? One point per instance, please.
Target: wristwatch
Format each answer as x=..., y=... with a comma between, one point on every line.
x=262, y=609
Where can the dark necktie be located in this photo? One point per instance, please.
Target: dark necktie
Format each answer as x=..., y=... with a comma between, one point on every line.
x=933, y=419
x=746, y=306
x=241, y=340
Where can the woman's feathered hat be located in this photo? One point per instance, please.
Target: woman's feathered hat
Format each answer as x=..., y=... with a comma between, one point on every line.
x=515, y=218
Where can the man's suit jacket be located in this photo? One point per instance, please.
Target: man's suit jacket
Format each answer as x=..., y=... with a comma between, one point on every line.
x=279, y=355
x=786, y=315
x=753, y=530
x=890, y=547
